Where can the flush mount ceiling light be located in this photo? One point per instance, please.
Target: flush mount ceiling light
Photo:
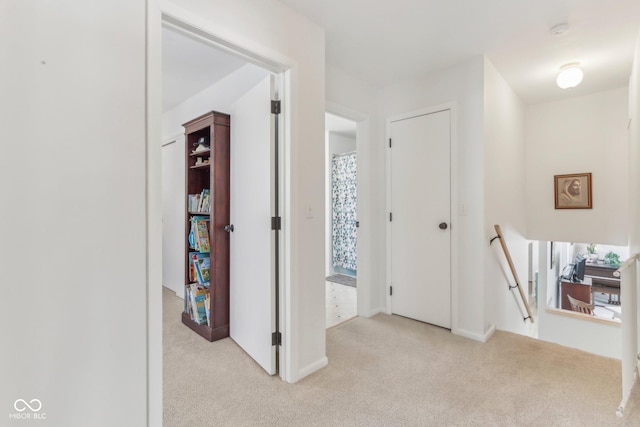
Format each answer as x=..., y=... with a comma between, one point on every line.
x=570, y=75
x=559, y=30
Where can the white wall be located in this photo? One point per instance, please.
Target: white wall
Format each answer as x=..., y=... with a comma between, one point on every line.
x=269, y=29
x=462, y=85
x=217, y=97
x=73, y=253
x=336, y=144
x=504, y=189
x=173, y=215
x=581, y=134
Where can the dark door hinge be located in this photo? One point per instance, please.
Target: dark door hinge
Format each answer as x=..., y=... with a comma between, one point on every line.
x=390, y=216
x=276, y=338
x=390, y=290
x=275, y=107
x=276, y=223
x=389, y=142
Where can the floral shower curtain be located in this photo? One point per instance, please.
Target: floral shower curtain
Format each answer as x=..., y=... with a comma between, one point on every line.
x=344, y=203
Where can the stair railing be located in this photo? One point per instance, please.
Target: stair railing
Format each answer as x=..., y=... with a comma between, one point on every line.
x=513, y=272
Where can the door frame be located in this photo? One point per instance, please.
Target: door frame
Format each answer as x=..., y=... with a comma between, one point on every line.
x=195, y=27
x=454, y=226
x=364, y=267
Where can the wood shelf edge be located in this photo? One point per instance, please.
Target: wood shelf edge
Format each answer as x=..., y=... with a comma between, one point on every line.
x=210, y=334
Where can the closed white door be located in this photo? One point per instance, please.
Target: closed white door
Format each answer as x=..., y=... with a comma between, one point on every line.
x=252, y=300
x=420, y=222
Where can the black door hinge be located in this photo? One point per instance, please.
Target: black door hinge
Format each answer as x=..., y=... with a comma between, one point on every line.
x=275, y=107
x=389, y=142
x=276, y=338
x=276, y=223
x=390, y=216
x=390, y=290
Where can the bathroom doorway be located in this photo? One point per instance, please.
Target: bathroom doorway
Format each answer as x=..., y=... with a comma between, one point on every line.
x=341, y=219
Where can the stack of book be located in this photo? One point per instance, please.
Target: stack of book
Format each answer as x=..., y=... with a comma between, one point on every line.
x=200, y=203
x=197, y=303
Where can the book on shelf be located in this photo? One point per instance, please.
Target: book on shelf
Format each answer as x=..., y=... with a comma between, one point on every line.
x=194, y=239
x=198, y=297
x=202, y=266
x=202, y=235
x=193, y=275
x=204, y=201
x=187, y=301
x=207, y=305
x=200, y=202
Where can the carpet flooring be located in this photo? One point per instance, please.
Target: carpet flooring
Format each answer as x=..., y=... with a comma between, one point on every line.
x=342, y=279
x=392, y=371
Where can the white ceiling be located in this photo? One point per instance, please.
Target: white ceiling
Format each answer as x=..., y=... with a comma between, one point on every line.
x=340, y=125
x=381, y=42
x=190, y=65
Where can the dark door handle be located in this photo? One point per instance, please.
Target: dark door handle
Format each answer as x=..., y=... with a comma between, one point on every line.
x=228, y=228
x=443, y=226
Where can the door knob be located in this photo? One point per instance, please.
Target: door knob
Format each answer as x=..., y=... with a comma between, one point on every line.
x=228, y=228
x=443, y=226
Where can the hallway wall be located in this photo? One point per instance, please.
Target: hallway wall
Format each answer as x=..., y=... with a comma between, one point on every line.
x=575, y=135
x=73, y=179
x=505, y=200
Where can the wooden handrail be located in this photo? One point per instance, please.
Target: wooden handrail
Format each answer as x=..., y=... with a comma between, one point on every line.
x=513, y=272
x=626, y=264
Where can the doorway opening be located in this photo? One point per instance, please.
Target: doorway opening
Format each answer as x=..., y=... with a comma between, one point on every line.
x=200, y=76
x=341, y=219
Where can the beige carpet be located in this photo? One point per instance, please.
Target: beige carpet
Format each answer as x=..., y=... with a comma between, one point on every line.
x=392, y=371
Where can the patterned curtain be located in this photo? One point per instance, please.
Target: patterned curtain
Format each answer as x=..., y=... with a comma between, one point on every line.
x=344, y=203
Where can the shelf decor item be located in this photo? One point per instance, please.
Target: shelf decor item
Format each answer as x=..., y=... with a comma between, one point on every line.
x=201, y=146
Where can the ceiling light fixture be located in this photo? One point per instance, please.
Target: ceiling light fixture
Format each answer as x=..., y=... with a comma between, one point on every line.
x=570, y=75
x=559, y=30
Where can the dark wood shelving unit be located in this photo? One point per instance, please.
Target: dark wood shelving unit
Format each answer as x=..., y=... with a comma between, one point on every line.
x=214, y=127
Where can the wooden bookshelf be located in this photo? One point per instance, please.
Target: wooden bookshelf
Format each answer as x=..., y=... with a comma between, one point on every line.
x=214, y=127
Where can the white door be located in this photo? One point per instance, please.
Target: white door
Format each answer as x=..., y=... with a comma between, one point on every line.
x=420, y=210
x=252, y=302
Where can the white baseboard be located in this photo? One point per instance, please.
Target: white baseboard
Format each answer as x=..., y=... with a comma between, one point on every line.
x=474, y=336
x=310, y=369
x=489, y=333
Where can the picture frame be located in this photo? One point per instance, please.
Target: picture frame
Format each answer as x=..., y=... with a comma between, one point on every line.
x=573, y=191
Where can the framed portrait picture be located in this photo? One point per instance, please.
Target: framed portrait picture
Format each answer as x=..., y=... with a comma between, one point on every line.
x=573, y=191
